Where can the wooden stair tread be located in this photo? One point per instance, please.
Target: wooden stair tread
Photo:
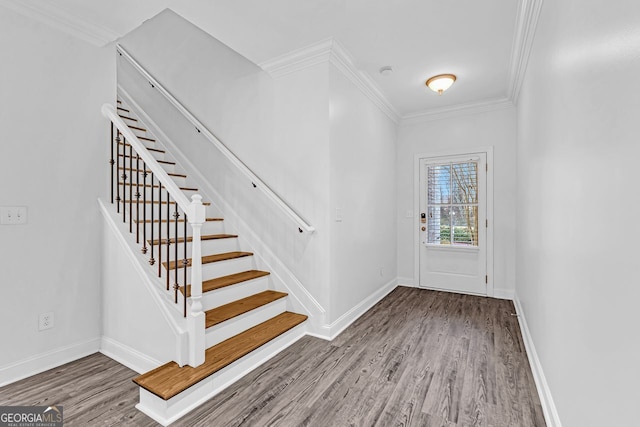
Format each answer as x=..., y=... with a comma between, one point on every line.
x=170, y=379
x=180, y=175
x=137, y=128
x=128, y=118
x=179, y=220
x=156, y=186
x=135, y=157
x=155, y=202
x=146, y=139
x=190, y=238
x=207, y=259
x=148, y=148
x=233, y=309
x=224, y=281
x=123, y=109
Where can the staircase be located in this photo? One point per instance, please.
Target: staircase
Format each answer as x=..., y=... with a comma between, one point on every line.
x=246, y=321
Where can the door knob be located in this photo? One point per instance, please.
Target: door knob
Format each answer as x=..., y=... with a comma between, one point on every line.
x=424, y=228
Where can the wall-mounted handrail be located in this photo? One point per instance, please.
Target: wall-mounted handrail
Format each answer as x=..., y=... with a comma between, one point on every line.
x=303, y=225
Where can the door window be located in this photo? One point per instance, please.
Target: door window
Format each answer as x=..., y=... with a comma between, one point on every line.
x=452, y=204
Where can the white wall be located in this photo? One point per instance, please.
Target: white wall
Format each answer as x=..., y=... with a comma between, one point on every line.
x=141, y=327
x=229, y=94
x=578, y=205
x=54, y=161
x=321, y=146
x=301, y=158
x=495, y=129
x=363, y=172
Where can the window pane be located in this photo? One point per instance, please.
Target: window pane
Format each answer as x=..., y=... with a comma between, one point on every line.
x=438, y=225
x=464, y=182
x=465, y=225
x=439, y=184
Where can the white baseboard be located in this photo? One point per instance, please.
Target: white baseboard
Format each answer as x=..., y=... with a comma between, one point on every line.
x=504, y=293
x=49, y=360
x=332, y=330
x=127, y=356
x=497, y=292
x=548, y=407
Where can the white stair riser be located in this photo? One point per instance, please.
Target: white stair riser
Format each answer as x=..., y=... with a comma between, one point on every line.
x=225, y=268
x=214, y=246
x=218, y=297
x=138, y=132
x=124, y=156
x=138, y=211
x=221, y=296
x=138, y=173
x=234, y=292
x=225, y=330
x=209, y=227
x=214, y=269
x=168, y=411
x=217, y=246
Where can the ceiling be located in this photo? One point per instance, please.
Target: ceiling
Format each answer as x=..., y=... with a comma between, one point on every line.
x=477, y=41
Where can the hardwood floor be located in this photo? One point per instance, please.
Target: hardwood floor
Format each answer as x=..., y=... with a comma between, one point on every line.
x=418, y=358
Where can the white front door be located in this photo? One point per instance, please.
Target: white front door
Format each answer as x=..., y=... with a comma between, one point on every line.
x=452, y=226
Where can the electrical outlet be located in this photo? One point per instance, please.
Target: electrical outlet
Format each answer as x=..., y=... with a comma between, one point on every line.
x=13, y=215
x=45, y=321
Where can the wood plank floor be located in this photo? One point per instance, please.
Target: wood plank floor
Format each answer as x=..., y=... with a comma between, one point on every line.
x=418, y=358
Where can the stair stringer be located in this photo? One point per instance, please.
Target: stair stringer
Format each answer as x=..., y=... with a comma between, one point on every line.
x=300, y=299
x=161, y=304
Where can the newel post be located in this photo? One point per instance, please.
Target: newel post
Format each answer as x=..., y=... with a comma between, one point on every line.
x=196, y=316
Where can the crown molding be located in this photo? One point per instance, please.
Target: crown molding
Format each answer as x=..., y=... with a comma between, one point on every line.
x=344, y=62
x=331, y=51
x=63, y=20
x=526, y=24
x=456, y=110
x=299, y=59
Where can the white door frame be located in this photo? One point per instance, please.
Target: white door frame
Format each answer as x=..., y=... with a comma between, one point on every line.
x=416, y=208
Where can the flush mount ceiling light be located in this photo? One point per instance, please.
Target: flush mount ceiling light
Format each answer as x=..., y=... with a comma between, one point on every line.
x=441, y=82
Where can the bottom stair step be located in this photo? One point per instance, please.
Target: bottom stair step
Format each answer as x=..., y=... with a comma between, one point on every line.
x=170, y=379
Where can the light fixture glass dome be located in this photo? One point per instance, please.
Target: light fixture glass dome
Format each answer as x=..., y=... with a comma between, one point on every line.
x=441, y=82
